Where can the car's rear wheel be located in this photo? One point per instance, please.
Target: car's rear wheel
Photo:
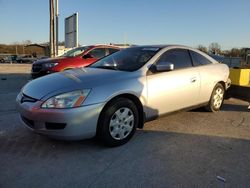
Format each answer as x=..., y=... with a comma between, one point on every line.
x=216, y=99
x=118, y=122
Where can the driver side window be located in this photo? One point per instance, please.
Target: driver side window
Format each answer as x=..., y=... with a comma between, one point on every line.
x=98, y=53
x=179, y=57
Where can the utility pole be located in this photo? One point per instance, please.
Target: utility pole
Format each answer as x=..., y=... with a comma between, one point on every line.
x=56, y=28
x=52, y=29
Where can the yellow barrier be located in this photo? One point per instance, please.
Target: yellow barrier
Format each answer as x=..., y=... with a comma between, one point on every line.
x=240, y=77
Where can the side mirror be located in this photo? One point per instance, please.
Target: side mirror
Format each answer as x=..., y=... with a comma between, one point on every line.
x=164, y=66
x=87, y=56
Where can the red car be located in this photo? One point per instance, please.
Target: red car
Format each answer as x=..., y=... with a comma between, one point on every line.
x=75, y=58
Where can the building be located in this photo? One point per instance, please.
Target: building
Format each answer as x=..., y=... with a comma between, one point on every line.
x=37, y=50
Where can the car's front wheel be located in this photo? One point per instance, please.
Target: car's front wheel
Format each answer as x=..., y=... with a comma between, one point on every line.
x=118, y=122
x=216, y=99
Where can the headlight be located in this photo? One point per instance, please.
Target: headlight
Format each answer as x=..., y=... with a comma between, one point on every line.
x=67, y=100
x=50, y=65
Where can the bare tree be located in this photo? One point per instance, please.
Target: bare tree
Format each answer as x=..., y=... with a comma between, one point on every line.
x=62, y=43
x=235, y=52
x=202, y=48
x=27, y=42
x=16, y=43
x=215, y=48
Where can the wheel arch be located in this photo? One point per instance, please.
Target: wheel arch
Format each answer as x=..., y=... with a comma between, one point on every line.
x=218, y=82
x=67, y=68
x=222, y=83
x=208, y=106
x=134, y=99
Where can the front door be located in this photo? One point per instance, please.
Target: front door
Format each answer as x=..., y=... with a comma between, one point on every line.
x=176, y=89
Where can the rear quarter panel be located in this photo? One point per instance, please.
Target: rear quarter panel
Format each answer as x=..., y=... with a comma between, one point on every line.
x=210, y=76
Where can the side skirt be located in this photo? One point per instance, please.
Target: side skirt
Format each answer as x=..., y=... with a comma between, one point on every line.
x=147, y=119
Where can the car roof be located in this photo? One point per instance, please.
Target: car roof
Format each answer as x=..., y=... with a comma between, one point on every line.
x=161, y=46
x=104, y=45
x=97, y=45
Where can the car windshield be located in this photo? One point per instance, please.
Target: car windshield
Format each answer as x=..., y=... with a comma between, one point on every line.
x=76, y=51
x=130, y=59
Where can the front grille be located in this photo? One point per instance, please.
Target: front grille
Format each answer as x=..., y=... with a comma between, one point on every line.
x=26, y=98
x=55, y=126
x=36, y=68
x=28, y=122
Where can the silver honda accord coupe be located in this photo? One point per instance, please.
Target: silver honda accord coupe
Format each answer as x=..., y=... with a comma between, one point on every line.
x=113, y=97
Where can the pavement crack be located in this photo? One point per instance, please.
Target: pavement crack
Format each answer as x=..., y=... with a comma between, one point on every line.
x=241, y=122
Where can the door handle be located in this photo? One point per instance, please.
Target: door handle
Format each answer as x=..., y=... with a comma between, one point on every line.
x=193, y=79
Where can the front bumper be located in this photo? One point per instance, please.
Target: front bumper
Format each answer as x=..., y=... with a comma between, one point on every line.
x=67, y=124
x=40, y=70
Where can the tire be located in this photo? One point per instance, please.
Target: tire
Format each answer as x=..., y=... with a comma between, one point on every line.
x=216, y=99
x=118, y=122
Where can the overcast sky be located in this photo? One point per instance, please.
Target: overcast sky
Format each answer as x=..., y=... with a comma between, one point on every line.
x=188, y=22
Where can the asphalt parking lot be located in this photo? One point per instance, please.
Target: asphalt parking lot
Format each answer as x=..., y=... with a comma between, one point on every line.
x=184, y=149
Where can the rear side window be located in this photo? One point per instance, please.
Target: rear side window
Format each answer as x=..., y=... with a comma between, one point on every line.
x=112, y=50
x=98, y=53
x=179, y=57
x=199, y=59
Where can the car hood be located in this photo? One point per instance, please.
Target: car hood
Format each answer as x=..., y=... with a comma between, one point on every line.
x=70, y=80
x=48, y=60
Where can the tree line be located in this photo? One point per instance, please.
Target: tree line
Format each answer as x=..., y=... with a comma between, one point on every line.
x=215, y=48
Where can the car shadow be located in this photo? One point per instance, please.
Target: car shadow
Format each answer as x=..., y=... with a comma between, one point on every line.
x=225, y=107
x=235, y=107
